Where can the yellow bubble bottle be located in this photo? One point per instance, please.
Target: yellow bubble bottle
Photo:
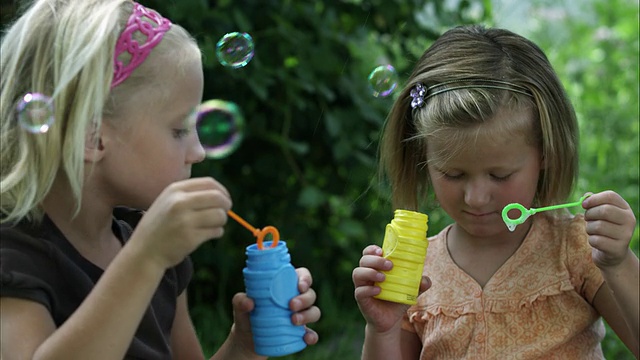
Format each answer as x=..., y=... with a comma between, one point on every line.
x=405, y=244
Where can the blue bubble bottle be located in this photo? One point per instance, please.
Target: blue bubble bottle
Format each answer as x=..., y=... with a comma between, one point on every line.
x=271, y=281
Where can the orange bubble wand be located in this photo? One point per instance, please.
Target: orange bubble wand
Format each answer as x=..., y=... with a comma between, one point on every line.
x=258, y=233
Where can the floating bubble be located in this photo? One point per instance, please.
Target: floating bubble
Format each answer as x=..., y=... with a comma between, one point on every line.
x=383, y=80
x=35, y=113
x=220, y=126
x=235, y=49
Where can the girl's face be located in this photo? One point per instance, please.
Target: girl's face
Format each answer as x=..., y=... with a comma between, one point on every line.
x=492, y=169
x=160, y=145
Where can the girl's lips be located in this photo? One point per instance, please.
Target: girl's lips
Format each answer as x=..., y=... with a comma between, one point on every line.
x=479, y=215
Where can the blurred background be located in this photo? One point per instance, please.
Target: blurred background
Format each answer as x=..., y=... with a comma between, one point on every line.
x=303, y=101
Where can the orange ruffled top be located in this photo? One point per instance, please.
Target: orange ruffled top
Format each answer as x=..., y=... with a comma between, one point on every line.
x=536, y=306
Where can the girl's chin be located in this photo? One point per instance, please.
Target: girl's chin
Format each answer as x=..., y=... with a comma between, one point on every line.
x=484, y=230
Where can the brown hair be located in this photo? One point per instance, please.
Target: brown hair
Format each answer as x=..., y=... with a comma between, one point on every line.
x=476, y=52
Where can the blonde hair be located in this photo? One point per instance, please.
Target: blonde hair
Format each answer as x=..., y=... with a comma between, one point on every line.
x=64, y=49
x=475, y=52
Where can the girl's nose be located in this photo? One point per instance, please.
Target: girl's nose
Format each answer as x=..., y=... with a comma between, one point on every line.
x=477, y=194
x=196, y=152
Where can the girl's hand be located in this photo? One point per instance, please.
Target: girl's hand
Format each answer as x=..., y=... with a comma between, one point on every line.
x=302, y=306
x=610, y=225
x=380, y=314
x=186, y=214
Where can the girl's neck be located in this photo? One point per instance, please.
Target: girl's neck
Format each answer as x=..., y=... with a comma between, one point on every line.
x=479, y=257
x=462, y=238
x=92, y=223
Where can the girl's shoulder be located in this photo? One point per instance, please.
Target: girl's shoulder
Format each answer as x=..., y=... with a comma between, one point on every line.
x=25, y=235
x=568, y=236
x=563, y=220
x=31, y=265
x=439, y=236
x=568, y=229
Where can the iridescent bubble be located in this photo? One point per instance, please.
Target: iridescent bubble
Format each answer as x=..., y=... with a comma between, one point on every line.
x=35, y=113
x=383, y=80
x=220, y=126
x=235, y=49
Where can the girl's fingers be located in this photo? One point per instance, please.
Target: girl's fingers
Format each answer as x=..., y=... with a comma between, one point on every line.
x=200, y=183
x=303, y=300
x=425, y=284
x=208, y=199
x=372, y=250
x=310, y=337
x=608, y=212
x=364, y=292
x=605, y=197
x=208, y=219
x=366, y=276
x=307, y=316
x=242, y=303
x=601, y=227
x=376, y=262
x=305, y=280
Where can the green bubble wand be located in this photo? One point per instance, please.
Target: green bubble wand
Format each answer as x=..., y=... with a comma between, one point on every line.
x=525, y=213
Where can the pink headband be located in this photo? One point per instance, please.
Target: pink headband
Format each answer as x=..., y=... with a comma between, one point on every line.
x=141, y=20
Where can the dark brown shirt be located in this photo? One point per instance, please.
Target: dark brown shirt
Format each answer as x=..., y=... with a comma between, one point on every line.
x=37, y=263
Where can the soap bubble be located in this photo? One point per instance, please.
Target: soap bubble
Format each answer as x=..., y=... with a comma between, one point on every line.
x=35, y=113
x=383, y=80
x=235, y=49
x=220, y=126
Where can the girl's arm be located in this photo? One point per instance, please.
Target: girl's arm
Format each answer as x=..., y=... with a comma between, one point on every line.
x=101, y=328
x=105, y=322
x=610, y=225
x=394, y=344
x=24, y=325
x=184, y=341
x=410, y=344
x=610, y=303
x=623, y=283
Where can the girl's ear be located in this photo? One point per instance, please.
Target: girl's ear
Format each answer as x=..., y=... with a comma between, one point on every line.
x=93, y=145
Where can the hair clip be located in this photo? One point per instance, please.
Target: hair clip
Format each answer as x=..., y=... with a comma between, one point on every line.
x=418, y=94
x=152, y=25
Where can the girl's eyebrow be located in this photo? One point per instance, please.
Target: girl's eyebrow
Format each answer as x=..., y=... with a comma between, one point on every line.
x=187, y=118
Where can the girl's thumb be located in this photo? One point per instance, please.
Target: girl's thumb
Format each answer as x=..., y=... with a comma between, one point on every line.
x=425, y=284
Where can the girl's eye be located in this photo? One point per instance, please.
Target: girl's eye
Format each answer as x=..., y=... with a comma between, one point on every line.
x=500, y=178
x=452, y=176
x=180, y=133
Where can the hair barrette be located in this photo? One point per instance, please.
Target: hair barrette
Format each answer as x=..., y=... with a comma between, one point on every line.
x=418, y=94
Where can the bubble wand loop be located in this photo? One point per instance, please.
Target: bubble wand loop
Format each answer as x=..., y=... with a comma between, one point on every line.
x=258, y=233
x=524, y=213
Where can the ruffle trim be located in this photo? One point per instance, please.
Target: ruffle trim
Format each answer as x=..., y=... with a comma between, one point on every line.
x=424, y=313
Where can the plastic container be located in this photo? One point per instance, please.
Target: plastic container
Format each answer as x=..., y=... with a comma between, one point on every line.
x=271, y=281
x=405, y=244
